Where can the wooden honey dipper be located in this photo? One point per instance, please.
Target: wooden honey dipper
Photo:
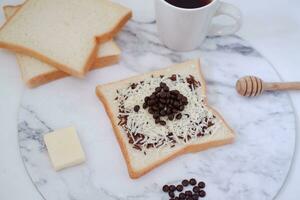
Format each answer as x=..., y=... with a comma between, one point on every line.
x=254, y=86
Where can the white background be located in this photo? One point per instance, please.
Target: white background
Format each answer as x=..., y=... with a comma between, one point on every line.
x=272, y=26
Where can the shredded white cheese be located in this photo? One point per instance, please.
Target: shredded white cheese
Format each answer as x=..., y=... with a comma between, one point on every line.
x=191, y=123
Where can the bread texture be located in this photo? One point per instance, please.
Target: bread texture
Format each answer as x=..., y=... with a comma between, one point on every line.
x=63, y=33
x=35, y=72
x=138, y=163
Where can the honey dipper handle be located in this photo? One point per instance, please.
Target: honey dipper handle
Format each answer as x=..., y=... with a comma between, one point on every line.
x=282, y=86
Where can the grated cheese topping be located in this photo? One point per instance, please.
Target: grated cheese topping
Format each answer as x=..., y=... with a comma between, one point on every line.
x=140, y=127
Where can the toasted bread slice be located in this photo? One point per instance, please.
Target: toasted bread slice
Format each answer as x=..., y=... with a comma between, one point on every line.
x=35, y=72
x=63, y=33
x=146, y=145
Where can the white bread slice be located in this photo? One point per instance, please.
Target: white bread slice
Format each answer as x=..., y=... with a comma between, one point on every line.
x=139, y=164
x=63, y=33
x=35, y=73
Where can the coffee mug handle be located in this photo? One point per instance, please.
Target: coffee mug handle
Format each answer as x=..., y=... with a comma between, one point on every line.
x=230, y=11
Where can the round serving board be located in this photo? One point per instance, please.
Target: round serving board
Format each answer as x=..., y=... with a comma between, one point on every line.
x=254, y=167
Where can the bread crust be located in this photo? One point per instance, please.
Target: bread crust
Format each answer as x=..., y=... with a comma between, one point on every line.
x=52, y=76
x=134, y=174
x=93, y=54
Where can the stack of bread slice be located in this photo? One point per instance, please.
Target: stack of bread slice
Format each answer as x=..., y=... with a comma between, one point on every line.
x=57, y=38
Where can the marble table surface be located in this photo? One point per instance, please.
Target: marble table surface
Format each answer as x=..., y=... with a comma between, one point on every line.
x=254, y=167
x=278, y=42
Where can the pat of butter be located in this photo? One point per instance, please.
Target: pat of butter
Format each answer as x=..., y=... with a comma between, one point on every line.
x=64, y=148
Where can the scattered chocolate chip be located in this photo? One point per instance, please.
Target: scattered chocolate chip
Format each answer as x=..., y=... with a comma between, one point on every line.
x=179, y=188
x=171, y=117
x=195, y=196
x=158, y=89
x=145, y=105
x=181, y=108
x=136, y=108
x=201, y=184
x=192, y=180
x=196, y=189
x=151, y=111
x=171, y=194
x=155, y=115
x=176, y=198
x=202, y=193
x=178, y=116
x=163, y=113
x=185, y=182
x=189, y=198
x=162, y=84
x=172, y=188
x=165, y=188
x=166, y=89
x=182, y=196
x=188, y=193
x=163, y=123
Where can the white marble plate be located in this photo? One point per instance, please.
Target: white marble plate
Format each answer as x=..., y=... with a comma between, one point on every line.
x=252, y=168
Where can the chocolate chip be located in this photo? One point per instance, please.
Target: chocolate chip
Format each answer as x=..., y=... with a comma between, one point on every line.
x=176, y=198
x=155, y=108
x=188, y=193
x=152, y=96
x=166, y=89
x=162, y=84
x=155, y=115
x=189, y=198
x=195, y=196
x=161, y=106
x=182, y=195
x=162, y=94
x=171, y=117
x=145, y=105
x=158, y=89
x=165, y=188
x=185, y=182
x=136, y=108
x=192, y=180
x=169, y=111
x=151, y=111
x=172, y=188
x=171, y=194
x=163, y=113
x=178, y=116
x=181, y=108
x=201, y=184
x=164, y=101
x=202, y=193
x=174, y=110
x=196, y=189
x=163, y=123
x=179, y=188
x=151, y=102
x=147, y=99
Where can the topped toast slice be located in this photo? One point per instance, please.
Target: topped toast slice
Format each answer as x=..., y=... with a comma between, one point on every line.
x=162, y=114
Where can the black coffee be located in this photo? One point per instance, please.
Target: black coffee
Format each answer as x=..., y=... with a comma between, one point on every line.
x=189, y=3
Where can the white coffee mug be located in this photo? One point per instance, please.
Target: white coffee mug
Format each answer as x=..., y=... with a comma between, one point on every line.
x=184, y=29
